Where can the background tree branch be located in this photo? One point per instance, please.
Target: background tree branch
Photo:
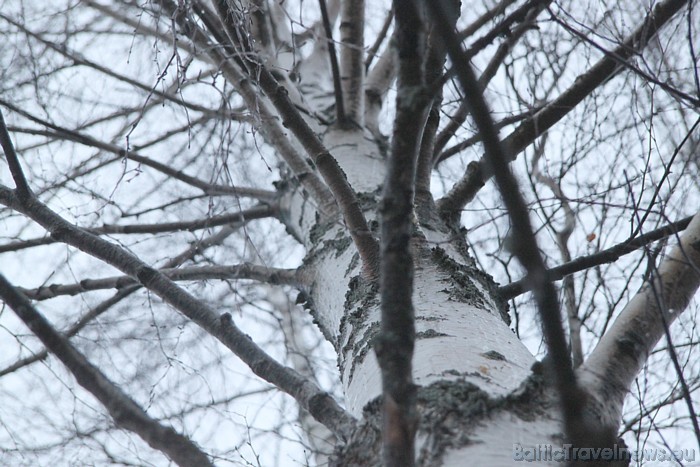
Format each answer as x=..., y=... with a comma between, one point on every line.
x=528, y=131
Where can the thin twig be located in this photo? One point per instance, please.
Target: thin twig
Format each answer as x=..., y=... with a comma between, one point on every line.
x=562, y=235
x=258, y=212
x=472, y=140
x=660, y=300
x=267, y=122
x=78, y=137
x=93, y=313
x=150, y=89
x=327, y=165
x=489, y=72
x=498, y=9
x=337, y=86
x=662, y=180
x=623, y=62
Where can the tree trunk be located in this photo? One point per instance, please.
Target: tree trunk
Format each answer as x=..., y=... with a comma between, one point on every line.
x=474, y=375
x=482, y=398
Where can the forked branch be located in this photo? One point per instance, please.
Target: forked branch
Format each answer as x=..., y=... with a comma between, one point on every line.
x=267, y=122
x=105, y=305
x=67, y=134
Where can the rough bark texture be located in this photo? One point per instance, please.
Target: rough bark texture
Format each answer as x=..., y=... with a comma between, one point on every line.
x=430, y=369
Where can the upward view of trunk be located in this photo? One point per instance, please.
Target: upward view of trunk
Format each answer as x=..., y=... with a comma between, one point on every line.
x=419, y=176
x=457, y=308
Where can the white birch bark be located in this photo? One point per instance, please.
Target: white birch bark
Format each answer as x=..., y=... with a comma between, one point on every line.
x=463, y=342
x=481, y=392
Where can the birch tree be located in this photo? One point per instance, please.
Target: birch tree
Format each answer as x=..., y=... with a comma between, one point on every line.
x=261, y=232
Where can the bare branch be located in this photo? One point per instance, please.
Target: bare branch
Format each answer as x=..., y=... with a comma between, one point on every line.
x=268, y=122
x=234, y=272
x=660, y=302
x=665, y=176
x=138, y=26
x=330, y=170
x=435, y=57
x=77, y=59
x=124, y=410
x=609, y=255
x=562, y=236
x=648, y=411
x=460, y=116
x=259, y=212
x=489, y=72
x=425, y=203
x=327, y=165
x=693, y=101
x=300, y=353
x=496, y=10
x=94, y=312
x=264, y=27
x=524, y=13
x=372, y=52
